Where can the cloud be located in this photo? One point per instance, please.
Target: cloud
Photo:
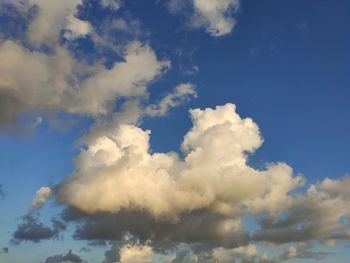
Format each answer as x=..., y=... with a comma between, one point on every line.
x=182, y=93
x=127, y=249
x=111, y=4
x=52, y=17
x=166, y=186
x=136, y=253
x=315, y=216
x=167, y=199
x=246, y=254
x=195, y=227
x=216, y=16
x=69, y=257
x=35, y=81
x=41, y=197
x=76, y=28
x=32, y=230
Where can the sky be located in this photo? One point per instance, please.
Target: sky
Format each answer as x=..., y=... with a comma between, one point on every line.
x=174, y=131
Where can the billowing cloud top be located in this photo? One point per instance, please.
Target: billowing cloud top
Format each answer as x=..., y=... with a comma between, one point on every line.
x=118, y=171
x=184, y=206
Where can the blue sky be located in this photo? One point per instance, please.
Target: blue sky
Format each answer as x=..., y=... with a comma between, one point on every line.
x=82, y=81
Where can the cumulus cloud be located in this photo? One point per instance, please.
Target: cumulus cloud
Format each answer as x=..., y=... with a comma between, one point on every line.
x=70, y=257
x=166, y=186
x=76, y=28
x=168, y=199
x=32, y=230
x=35, y=81
x=52, y=17
x=136, y=253
x=216, y=16
x=200, y=198
x=315, y=216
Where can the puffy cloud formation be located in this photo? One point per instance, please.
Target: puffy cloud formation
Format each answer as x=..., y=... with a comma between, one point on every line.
x=69, y=257
x=33, y=80
x=318, y=215
x=215, y=16
x=32, y=230
x=136, y=252
x=118, y=172
x=41, y=197
x=201, y=197
x=140, y=253
x=247, y=254
x=36, y=81
x=54, y=16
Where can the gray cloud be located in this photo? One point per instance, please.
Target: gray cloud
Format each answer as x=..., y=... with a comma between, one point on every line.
x=315, y=216
x=199, y=226
x=69, y=257
x=32, y=230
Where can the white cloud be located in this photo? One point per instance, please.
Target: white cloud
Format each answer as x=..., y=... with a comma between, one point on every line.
x=42, y=195
x=31, y=80
x=136, y=253
x=125, y=79
x=76, y=27
x=182, y=93
x=51, y=18
x=215, y=16
x=118, y=172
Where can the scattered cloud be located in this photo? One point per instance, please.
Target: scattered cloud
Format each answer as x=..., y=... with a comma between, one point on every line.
x=32, y=230
x=200, y=198
x=112, y=4
x=36, y=81
x=315, y=216
x=200, y=181
x=33, y=80
x=182, y=93
x=70, y=257
x=41, y=197
x=52, y=17
x=216, y=16
x=146, y=204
